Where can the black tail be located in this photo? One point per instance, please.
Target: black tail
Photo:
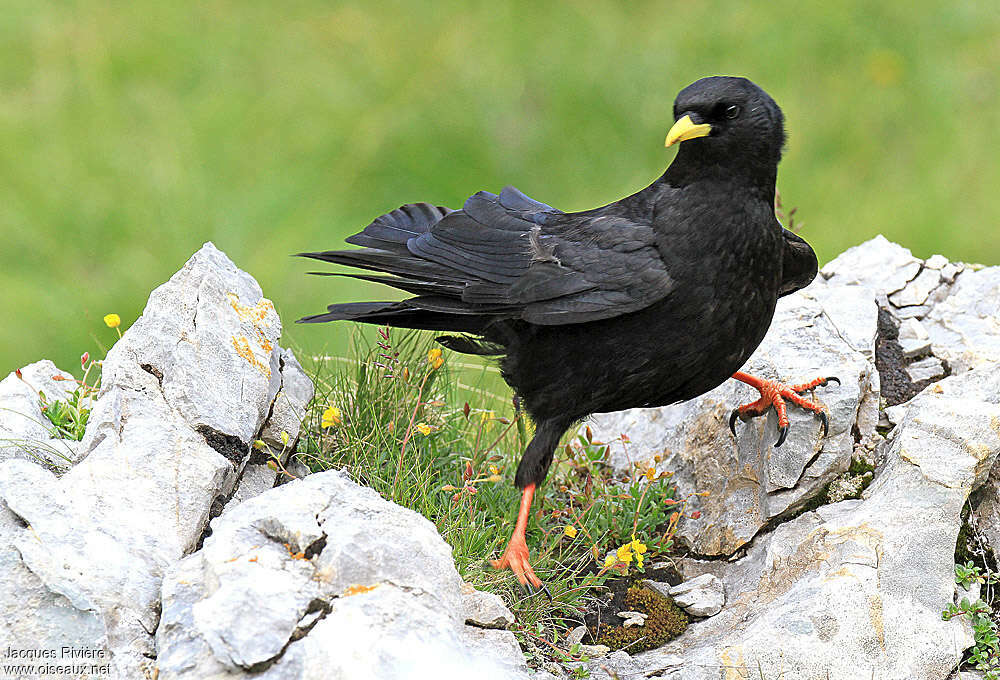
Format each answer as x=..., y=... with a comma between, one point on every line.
x=438, y=288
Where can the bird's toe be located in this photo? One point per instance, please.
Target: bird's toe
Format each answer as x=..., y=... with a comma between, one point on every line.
x=782, y=433
x=732, y=420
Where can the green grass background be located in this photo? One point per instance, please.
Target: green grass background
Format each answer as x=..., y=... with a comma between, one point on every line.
x=131, y=132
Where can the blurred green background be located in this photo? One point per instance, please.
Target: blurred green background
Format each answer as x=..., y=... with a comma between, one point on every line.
x=132, y=132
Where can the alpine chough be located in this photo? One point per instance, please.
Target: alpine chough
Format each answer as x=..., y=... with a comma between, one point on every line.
x=678, y=282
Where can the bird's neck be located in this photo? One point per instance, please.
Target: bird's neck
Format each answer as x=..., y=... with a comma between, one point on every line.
x=757, y=177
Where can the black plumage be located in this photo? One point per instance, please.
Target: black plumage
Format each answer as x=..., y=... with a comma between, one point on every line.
x=653, y=299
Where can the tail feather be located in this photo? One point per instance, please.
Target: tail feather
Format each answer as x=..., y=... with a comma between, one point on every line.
x=392, y=230
x=415, y=286
x=389, y=262
x=400, y=315
x=467, y=344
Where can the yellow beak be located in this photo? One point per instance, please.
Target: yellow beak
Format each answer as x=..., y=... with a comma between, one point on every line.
x=685, y=129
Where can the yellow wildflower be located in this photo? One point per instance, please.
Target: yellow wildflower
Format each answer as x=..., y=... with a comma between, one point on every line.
x=331, y=417
x=638, y=547
x=424, y=429
x=650, y=474
x=434, y=358
x=112, y=320
x=610, y=560
x=569, y=530
x=624, y=554
x=494, y=470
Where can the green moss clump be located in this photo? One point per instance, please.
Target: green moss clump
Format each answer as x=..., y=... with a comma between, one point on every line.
x=665, y=622
x=859, y=467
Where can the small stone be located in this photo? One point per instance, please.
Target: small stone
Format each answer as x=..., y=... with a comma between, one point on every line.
x=575, y=636
x=925, y=369
x=951, y=270
x=913, y=338
x=633, y=619
x=936, y=262
x=917, y=290
x=594, y=650
x=701, y=596
x=914, y=312
x=485, y=610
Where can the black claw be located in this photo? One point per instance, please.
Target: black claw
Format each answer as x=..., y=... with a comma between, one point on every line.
x=530, y=590
x=732, y=420
x=825, y=422
x=831, y=378
x=782, y=433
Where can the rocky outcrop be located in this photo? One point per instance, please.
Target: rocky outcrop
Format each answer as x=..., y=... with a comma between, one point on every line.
x=322, y=578
x=115, y=556
x=159, y=450
x=858, y=587
x=852, y=589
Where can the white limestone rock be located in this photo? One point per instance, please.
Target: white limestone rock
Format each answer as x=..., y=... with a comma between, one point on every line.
x=199, y=366
x=878, y=264
x=485, y=610
x=965, y=327
x=701, y=596
x=858, y=587
x=913, y=338
x=929, y=368
x=321, y=578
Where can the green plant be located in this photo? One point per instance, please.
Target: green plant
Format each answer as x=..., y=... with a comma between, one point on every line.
x=69, y=418
x=439, y=436
x=985, y=653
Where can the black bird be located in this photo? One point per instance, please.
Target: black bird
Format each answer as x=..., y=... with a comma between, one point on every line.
x=653, y=299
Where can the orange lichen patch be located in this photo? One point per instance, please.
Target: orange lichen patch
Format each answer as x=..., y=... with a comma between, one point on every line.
x=242, y=347
x=265, y=344
x=254, y=314
x=295, y=555
x=359, y=589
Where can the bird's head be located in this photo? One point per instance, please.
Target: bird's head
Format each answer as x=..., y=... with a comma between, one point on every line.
x=728, y=122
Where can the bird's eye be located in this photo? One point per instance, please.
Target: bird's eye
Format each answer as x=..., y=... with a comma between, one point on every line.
x=732, y=111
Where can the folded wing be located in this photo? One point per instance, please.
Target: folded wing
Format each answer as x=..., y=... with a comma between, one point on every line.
x=505, y=256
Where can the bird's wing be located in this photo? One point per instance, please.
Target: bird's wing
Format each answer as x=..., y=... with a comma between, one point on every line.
x=798, y=265
x=552, y=267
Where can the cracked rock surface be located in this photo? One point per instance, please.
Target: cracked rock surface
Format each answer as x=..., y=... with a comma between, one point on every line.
x=183, y=393
x=322, y=578
x=857, y=588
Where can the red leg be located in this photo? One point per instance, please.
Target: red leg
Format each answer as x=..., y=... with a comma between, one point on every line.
x=515, y=557
x=774, y=393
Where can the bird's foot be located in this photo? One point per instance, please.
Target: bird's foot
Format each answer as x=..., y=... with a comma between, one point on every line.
x=515, y=558
x=774, y=393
